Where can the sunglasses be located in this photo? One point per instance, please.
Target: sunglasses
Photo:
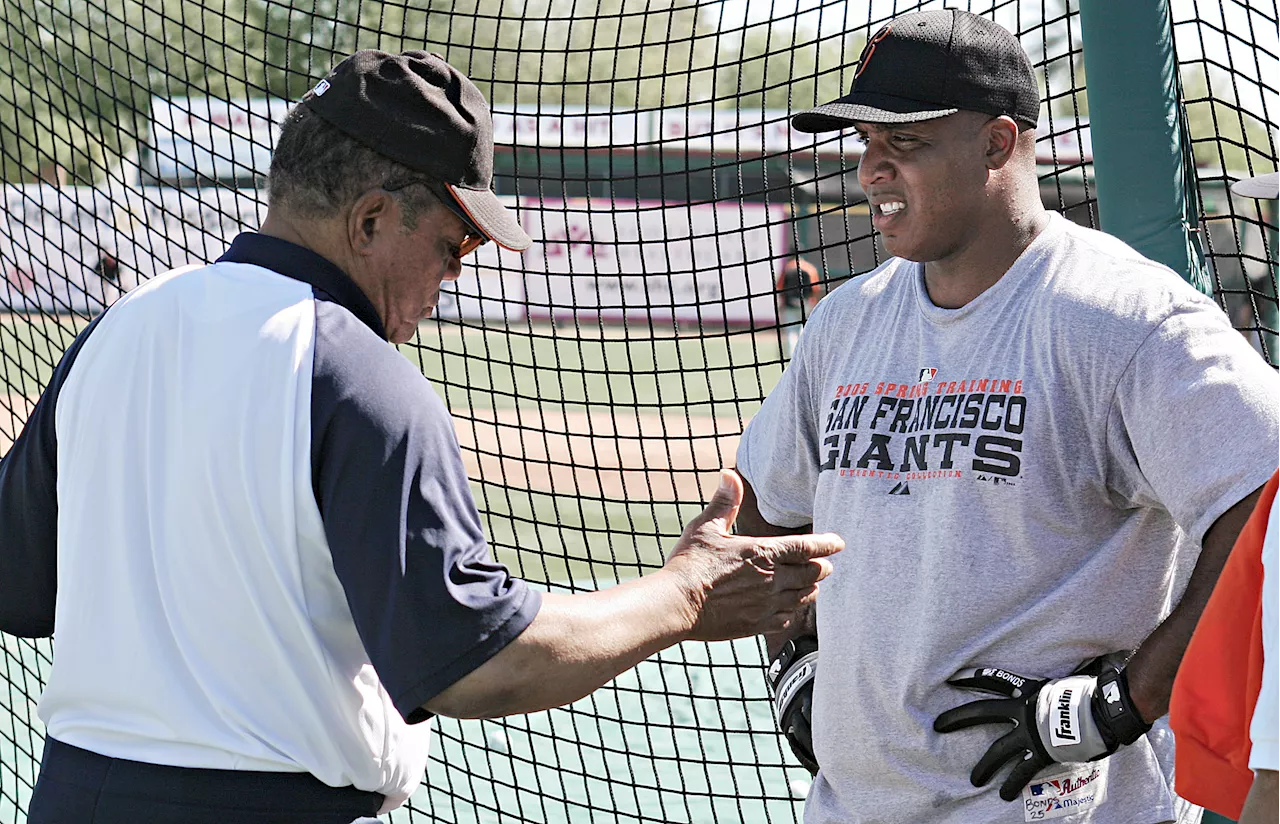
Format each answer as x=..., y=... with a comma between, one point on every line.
x=474, y=238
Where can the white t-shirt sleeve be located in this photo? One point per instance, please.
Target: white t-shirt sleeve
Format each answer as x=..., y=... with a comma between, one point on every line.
x=1193, y=426
x=1265, y=754
x=778, y=451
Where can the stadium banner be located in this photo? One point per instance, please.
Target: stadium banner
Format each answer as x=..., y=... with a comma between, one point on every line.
x=712, y=262
x=223, y=139
x=60, y=250
x=213, y=138
x=490, y=288
x=77, y=249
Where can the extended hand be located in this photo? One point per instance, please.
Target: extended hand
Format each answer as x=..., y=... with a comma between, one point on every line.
x=740, y=585
x=1078, y=718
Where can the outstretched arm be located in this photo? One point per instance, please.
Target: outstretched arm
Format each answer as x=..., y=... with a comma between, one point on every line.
x=714, y=586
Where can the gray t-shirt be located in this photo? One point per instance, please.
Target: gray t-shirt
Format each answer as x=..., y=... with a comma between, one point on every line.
x=1019, y=483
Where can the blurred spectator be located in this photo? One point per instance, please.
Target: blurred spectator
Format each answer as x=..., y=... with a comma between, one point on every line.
x=52, y=173
x=108, y=268
x=798, y=291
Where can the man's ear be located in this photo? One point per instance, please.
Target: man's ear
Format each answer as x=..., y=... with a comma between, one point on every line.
x=1001, y=138
x=371, y=214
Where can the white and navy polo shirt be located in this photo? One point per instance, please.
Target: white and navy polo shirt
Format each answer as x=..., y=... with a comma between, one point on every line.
x=254, y=516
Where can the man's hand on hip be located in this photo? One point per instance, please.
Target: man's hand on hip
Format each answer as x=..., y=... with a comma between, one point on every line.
x=1083, y=717
x=741, y=585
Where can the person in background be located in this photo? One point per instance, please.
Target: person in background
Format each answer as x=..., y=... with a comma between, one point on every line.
x=107, y=267
x=797, y=292
x=1225, y=707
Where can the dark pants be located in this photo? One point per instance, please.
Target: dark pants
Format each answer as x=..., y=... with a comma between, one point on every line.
x=80, y=787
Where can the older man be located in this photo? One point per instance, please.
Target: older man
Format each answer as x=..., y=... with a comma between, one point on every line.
x=269, y=570
x=1036, y=431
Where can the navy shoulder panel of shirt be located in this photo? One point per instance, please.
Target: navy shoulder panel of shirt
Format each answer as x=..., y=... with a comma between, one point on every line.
x=29, y=512
x=429, y=602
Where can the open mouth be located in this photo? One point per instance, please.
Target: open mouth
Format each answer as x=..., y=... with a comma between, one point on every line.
x=891, y=207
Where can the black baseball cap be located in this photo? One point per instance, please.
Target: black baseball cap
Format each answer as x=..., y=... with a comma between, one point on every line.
x=417, y=110
x=931, y=64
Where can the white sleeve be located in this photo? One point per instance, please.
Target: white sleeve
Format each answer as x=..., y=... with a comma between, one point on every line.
x=1265, y=754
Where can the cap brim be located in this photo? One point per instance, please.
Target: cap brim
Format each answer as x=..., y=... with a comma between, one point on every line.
x=843, y=113
x=495, y=220
x=1262, y=186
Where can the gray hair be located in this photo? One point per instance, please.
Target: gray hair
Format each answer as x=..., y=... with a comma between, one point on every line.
x=317, y=171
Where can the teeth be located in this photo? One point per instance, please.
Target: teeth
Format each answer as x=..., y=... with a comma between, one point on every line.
x=892, y=207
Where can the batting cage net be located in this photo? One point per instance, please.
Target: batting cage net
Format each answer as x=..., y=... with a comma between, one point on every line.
x=600, y=379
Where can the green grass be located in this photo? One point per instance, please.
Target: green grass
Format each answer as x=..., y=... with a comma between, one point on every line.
x=30, y=348
x=24, y=669
x=720, y=374
x=626, y=371
x=550, y=539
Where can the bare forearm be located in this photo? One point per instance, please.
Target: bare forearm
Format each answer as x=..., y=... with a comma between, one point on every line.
x=714, y=586
x=575, y=645
x=1260, y=807
x=1152, y=670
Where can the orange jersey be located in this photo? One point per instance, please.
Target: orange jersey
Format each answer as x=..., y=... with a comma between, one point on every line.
x=1220, y=677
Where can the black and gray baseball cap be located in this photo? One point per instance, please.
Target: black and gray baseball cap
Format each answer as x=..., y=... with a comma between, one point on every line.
x=417, y=110
x=931, y=64
x=1264, y=187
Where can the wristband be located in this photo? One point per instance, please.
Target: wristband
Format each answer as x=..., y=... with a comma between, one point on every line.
x=1115, y=708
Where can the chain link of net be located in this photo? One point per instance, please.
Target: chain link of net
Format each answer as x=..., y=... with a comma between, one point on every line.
x=601, y=380
x=1229, y=59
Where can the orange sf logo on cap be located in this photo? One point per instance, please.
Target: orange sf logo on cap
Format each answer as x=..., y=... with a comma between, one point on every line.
x=870, y=49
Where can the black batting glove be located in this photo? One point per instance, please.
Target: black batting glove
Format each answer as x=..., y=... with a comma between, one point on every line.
x=790, y=676
x=1083, y=717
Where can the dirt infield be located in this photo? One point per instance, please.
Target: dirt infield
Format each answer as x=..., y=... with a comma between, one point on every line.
x=605, y=453
x=599, y=454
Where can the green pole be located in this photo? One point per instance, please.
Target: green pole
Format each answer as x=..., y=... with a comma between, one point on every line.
x=1141, y=152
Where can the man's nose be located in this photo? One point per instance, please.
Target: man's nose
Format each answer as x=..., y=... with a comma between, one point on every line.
x=873, y=167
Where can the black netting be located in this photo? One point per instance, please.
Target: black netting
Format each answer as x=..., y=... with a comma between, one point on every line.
x=1228, y=55
x=600, y=379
